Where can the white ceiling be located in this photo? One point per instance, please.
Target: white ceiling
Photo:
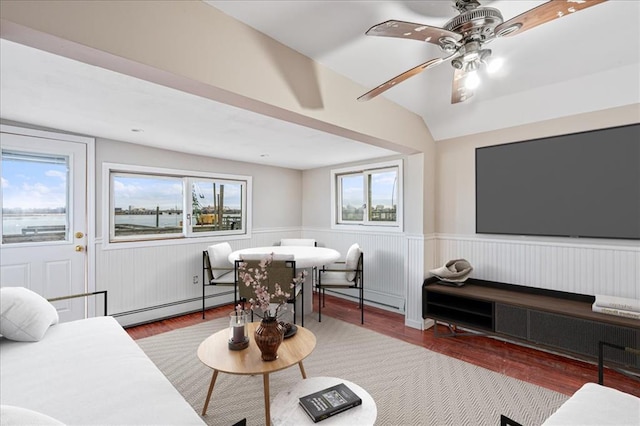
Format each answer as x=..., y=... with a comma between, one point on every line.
x=581, y=63
x=558, y=69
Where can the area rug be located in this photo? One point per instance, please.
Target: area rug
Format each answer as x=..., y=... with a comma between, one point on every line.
x=410, y=384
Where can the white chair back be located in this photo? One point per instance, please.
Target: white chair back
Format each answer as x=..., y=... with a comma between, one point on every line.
x=219, y=259
x=306, y=242
x=351, y=261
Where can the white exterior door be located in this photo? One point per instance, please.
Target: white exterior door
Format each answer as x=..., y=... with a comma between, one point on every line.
x=44, y=217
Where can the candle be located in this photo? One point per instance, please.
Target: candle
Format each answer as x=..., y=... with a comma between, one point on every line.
x=238, y=333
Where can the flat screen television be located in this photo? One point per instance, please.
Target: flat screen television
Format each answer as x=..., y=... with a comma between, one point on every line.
x=577, y=185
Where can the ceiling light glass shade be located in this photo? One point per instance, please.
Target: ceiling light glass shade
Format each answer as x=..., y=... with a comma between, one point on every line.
x=472, y=81
x=494, y=65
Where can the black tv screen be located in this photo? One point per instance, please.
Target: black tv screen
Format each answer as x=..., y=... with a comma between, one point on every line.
x=578, y=185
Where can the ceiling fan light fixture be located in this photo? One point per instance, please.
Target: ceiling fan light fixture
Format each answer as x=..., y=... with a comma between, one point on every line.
x=494, y=65
x=472, y=81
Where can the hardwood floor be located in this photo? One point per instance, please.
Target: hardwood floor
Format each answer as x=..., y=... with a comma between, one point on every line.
x=555, y=372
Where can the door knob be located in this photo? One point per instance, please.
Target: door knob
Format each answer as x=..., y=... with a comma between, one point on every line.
x=79, y=248
x=79, y=234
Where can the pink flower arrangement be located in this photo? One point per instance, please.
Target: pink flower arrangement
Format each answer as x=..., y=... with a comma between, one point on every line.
x=258, y=279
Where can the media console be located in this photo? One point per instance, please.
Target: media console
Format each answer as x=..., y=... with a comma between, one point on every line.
x=552, y=320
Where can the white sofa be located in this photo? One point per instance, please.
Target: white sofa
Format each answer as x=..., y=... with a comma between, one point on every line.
x=595, y=404
x=81, y=373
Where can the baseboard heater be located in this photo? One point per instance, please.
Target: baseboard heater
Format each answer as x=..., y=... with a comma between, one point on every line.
x=169, y=304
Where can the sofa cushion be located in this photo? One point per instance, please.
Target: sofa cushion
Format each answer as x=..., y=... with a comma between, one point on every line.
x=90, y=372
x=17, y=416
x=25, y=315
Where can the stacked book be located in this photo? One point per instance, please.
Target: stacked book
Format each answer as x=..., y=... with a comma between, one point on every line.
x=620, y=306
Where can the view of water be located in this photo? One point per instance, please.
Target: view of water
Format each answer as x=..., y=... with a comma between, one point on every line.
x=148, y=220
x=13, y=225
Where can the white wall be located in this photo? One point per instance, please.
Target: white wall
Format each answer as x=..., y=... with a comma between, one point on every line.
x=578, y=266
x=393, y=261
x=153, y=275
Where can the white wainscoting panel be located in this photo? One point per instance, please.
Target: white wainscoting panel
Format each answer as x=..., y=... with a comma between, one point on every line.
x=584, y=268
x=150, y=282
x=417, y=246
x=384, y=263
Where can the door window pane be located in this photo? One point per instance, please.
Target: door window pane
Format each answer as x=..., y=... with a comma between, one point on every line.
x=146, y=206
x=35, y=197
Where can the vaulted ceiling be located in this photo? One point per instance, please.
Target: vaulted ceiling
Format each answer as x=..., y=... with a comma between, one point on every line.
x=588, y=61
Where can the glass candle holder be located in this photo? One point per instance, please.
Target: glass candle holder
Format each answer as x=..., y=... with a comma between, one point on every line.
x=238, y=336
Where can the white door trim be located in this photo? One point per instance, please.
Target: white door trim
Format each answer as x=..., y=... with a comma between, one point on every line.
x=90, y=196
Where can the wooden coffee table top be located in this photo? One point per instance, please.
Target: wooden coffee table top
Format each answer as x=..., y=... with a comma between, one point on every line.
x=215, y=353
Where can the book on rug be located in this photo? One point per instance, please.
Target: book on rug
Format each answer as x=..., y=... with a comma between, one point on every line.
x=329, y=402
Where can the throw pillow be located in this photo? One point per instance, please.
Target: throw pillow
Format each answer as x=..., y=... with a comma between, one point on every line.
x=25, y=316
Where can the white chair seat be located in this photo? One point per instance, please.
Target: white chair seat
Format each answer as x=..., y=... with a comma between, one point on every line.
x=335, y=278
x=226, y=278
x=347, y=274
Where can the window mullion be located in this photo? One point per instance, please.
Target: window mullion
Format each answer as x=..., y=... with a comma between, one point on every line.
x=187, y=206
x=367, y=198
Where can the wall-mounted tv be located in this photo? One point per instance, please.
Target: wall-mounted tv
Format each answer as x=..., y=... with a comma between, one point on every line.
x=577, y=185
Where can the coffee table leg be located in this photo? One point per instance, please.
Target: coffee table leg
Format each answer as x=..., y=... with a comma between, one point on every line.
x=267, y=407
x=213, y=381
x=304, y=374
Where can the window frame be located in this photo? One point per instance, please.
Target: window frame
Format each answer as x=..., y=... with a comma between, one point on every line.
x=366, y=170
x=187, y=235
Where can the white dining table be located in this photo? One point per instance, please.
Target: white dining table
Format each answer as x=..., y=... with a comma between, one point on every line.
x=306, y=257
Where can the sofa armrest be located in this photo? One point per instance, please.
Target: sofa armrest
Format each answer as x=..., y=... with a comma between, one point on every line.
x=73, y=296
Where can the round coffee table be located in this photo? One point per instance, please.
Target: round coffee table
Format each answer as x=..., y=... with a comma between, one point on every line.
x=286, y=411
x=214, y=353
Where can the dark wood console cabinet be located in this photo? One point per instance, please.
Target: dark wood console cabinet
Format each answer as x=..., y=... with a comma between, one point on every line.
x=552, y=320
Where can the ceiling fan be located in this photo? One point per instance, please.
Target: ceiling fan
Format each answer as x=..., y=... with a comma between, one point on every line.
x=463, y=39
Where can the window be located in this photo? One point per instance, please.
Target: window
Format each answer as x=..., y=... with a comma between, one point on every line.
x=35, y=197
x=156, y=204
x=368, y=195
x=217, y=205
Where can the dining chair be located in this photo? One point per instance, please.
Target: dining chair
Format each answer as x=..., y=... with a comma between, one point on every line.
x=303, y=242
x=216, y=268
x=347, y=274
x=306, y=242
x=281, y=270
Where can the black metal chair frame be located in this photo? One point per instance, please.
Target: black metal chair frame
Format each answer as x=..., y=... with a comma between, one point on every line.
x=207, y=277
x=292, y=301
x=358, y=283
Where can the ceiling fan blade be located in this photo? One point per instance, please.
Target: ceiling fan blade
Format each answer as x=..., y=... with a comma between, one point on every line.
x=459, y=92
x=402, y=77
x=544, y=13
x=420, y=32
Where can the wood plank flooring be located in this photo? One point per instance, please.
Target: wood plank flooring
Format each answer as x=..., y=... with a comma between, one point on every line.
x=555, y=372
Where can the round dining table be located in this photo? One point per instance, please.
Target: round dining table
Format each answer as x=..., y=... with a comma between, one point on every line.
x=306, y=257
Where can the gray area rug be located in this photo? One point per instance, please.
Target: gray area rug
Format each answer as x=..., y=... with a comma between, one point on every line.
x=410, y=384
